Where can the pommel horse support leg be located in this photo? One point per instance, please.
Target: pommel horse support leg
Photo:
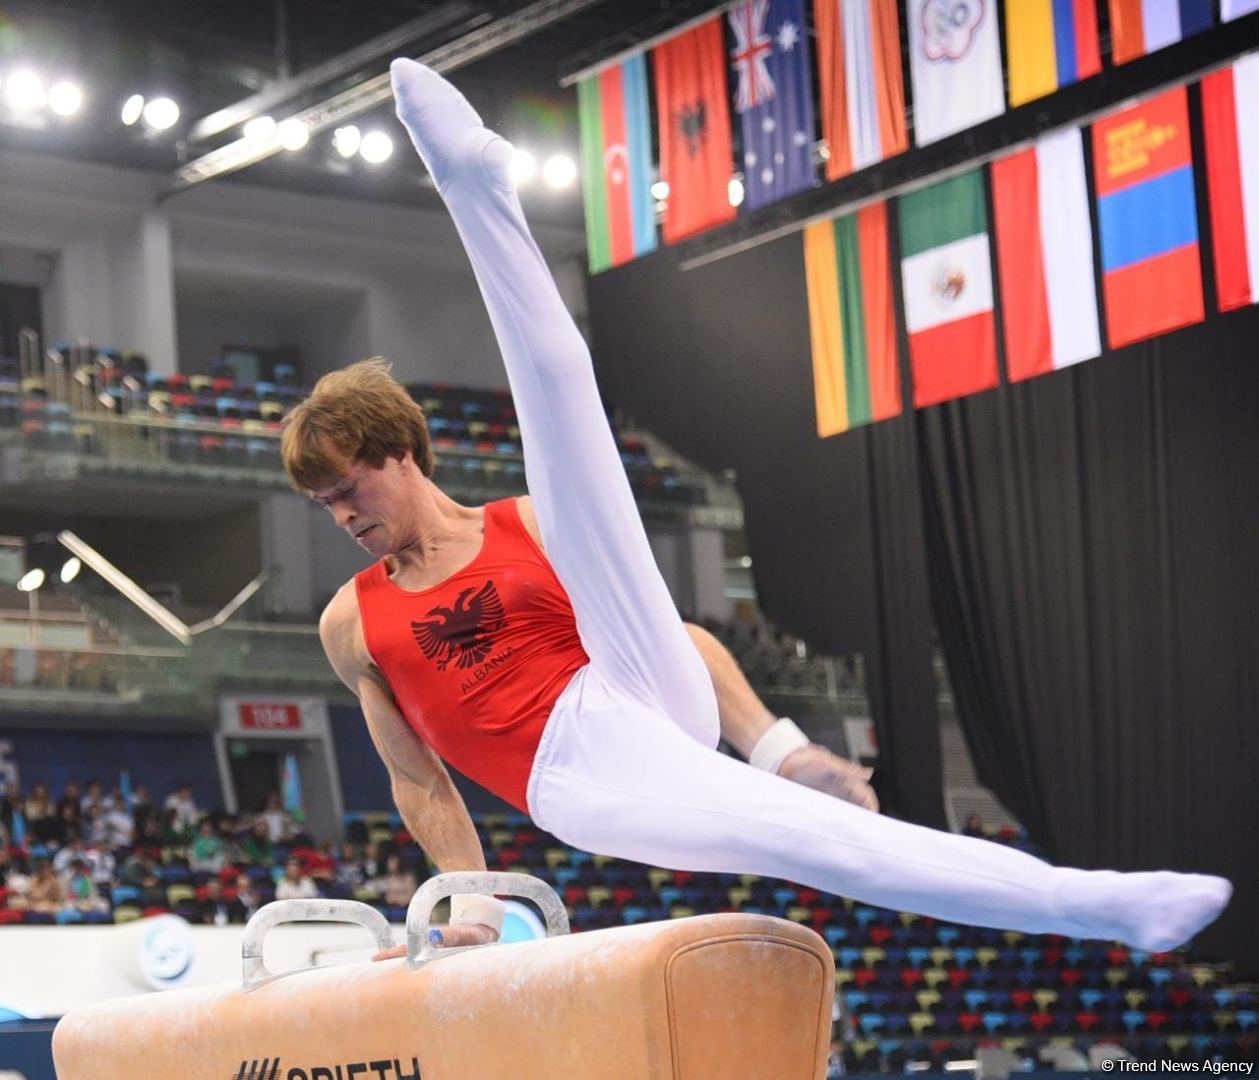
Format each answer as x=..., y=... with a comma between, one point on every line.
x=690, y=999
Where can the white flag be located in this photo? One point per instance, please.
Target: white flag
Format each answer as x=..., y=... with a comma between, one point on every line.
x=955, y=65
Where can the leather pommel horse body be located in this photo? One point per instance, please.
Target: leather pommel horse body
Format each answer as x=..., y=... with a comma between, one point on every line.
x=711, y=996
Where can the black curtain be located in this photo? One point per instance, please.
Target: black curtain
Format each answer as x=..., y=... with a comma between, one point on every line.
x=1092, y=540
x=716, y=362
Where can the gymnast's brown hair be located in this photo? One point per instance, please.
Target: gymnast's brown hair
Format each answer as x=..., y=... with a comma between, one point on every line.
x=360, y=412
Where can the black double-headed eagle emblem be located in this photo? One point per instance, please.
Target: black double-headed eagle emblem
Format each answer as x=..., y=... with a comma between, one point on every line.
x=463, y=633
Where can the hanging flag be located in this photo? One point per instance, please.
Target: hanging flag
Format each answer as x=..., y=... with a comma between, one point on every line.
x=955, y=66
x=616, y=164
x=856, y=376
x=18, y=839
x=1138, y=27
x=1050, y=44
x=1045, y=256
x=773, y=97
x=696, y=156
x=1230, y=121
x=291, y=789
x=124, y=787
x=946, y=273
x=1148, y=219
x=862, y=83
x=1235, y=9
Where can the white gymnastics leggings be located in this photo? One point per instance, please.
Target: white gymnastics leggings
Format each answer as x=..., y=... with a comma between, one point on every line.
x=627, y=765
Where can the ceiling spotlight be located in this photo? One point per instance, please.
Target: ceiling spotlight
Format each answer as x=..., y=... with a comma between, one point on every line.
x=559, y=171
x=524, y=167
x=259, y=129
x=346, y=140
x=161, y=113
x=65, y=98
x=31, y=580
x=735, y=191
x=292, y=133
x=70, y=569
x=132, y=108
x=375, y=147
x=660, y=191
x=24, y=91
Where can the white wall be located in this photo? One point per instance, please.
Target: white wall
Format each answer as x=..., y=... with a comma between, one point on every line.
x=340, y=278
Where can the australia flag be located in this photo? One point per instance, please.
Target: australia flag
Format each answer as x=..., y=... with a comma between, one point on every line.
x=773, y=97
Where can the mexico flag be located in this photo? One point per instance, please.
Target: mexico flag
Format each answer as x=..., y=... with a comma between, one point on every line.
x=946, y=273
x=1045, y=256
x=616, y=164
x=856, y=377
x=1230, y=120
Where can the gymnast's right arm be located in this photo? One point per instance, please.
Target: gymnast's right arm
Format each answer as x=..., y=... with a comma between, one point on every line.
x=426, y=797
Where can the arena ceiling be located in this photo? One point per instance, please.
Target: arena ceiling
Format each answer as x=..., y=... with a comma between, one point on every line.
x=288, y=55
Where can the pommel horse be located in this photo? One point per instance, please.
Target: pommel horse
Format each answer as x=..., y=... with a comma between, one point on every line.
x=709, y=996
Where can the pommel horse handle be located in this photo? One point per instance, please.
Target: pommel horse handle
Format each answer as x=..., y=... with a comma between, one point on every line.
x=438, y=888
x=254, y=971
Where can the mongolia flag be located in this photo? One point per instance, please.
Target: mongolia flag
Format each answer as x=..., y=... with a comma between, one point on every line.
x=696, y=156
x=1148, y=219
x=1138, y=27
x=856, y=376
x=955, y=66
x=863, y=85
x=1230, y=119
x=1051, y=44
x=291, y=789
x=1045, y=256
x=616, y=164
x=774, y=98
x=946, y=273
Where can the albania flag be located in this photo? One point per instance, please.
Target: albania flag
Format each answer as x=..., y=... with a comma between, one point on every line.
x=694, y=119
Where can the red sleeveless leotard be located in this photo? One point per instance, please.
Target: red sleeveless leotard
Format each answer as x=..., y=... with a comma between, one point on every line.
x=477, y=663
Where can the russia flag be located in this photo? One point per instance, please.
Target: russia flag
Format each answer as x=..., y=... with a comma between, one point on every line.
x=1148, y=219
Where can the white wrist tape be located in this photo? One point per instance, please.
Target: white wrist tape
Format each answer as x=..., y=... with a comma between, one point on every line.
x=473, y=908
x=773, y=747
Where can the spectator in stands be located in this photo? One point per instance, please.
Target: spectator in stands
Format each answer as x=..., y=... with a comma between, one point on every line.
x=14, y=876
x=349, y=875
x=92, y=826
x=140, y=871
x=397, y=885
x=205, y=853
x=258, y=848
x=146, y=821
x=72, y=852
x=92, y=798
x=295, y=885
x=280, y=825
x=319, y=862
x=174, y=832
x=80, y=890
x=974, y=826
x=185, y=807
x=39, y=812
x=10, y=804
x=247, y=897
x=118, y=826
x=45, y=893
x=215, y=909
x=68, y=809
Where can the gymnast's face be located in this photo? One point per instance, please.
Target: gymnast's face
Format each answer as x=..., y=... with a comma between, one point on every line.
x=373, y=504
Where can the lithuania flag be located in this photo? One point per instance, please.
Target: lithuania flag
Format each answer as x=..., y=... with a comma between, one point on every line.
x=849, y=278
x=616, y=164
x=946, y=272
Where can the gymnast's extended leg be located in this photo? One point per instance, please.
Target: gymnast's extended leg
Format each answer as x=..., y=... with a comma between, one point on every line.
x=623, y=767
